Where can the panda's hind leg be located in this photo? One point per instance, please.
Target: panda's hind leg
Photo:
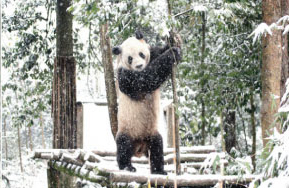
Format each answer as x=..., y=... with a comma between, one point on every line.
x=124, y=152
x=156, y=154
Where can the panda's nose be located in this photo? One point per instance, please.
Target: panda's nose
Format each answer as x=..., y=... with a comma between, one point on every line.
x=139, y=66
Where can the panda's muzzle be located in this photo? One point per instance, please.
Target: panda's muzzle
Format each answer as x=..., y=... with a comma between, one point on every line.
x=139, y=66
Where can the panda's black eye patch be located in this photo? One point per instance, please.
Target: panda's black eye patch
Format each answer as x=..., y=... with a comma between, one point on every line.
x=130, y=60
x=142, y=55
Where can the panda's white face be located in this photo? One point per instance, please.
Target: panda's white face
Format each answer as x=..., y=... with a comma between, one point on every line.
x=134, y=54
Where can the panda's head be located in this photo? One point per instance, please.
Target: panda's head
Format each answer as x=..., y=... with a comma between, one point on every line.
x=133, y=53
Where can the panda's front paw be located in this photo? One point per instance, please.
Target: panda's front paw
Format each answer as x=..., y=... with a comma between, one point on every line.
x=177, y=53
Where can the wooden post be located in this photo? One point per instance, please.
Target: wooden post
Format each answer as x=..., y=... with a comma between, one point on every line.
x=109, y=78
x=175, y=104
x=79, y=119
x=169, y=118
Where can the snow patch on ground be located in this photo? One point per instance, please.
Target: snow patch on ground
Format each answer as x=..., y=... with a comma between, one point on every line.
x=34, y=175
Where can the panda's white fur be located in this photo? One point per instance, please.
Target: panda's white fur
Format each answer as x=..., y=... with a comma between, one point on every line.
x=137, y=118
x=131, y=47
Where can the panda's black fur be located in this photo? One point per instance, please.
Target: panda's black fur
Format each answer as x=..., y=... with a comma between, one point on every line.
x=139, y=93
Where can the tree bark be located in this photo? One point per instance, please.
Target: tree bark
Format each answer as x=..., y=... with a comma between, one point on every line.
x=63, y=92
x=274, y=66
x=222, y=132
x=109, y=78
x=229, y=128
x=42, y=131
x=19, y=148
x=79, y=116
x=5, y=140
x=203, y=107
x=285, y=58
x=253, y=132
x=30, y=138
x=64, y=103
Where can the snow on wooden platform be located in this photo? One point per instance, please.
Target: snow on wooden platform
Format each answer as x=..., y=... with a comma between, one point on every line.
x=101, y=167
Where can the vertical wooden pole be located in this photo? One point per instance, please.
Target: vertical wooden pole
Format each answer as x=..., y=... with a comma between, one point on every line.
x=175, y=105
x=109, y=78
x=79, y=112
x=170, y=130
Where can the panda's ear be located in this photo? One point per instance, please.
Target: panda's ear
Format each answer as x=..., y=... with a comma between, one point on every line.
x=138, y=35
x=116, y=50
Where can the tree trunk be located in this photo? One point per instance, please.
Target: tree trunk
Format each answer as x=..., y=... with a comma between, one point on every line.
x=222, y=132
x=30, y=138
x=203, y=123
x=42, y=130
x=229, y=128
x=244, y=127
x=202, y=89
x=285, y=58
x=19, y=148
x=26, y=140
x=109, y=78
x=5, y=141
x=175, y=105
x=64, y=85
x=273, y=61
x=63, y=91
x=253, y=131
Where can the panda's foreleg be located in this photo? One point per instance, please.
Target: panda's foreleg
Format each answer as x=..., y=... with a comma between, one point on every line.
x=124, y=152
x=156, y=154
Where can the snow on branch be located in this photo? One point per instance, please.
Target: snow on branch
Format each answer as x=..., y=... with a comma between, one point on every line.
x=263, y=28
x=283, y=20
x=260, y=30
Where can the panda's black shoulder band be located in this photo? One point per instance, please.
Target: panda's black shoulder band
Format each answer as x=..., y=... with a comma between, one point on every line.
x=137, y=83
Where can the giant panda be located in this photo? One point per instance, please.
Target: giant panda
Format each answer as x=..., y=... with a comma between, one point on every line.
x=141, y=70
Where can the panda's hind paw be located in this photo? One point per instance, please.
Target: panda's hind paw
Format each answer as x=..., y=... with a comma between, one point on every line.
x=130, y=168
x=160, y=172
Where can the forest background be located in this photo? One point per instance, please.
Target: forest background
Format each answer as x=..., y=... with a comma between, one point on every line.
x=220, y=81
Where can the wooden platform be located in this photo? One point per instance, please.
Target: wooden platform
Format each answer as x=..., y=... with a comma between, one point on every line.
x=101, y=167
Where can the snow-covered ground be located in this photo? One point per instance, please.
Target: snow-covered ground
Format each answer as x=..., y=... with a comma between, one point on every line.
x=34, y=175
